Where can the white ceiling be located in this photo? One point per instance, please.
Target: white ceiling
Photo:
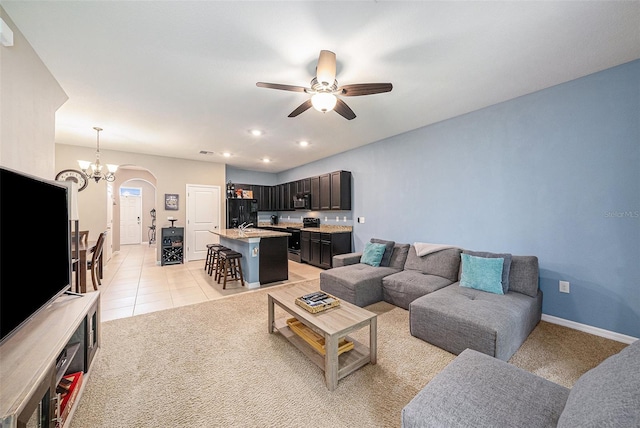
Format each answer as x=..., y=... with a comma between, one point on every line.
x=172, y=78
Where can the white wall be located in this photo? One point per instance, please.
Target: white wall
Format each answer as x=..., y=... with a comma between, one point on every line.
x=29, y=98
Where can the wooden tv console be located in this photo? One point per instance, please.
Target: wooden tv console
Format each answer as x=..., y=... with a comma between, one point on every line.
x=28, y=370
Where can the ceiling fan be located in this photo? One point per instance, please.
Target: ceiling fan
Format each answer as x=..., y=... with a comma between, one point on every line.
x=324, y=89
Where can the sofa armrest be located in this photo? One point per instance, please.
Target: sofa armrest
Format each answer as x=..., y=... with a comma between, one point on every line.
x=346, y=259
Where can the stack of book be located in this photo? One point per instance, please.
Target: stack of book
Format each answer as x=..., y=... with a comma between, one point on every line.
x=317, y=301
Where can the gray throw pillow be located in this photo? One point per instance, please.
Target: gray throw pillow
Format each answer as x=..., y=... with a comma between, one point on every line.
x=386, y=257
x=506, y=267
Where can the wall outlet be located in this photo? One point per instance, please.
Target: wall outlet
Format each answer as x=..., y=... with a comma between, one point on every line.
x=337, y=218
x=564, y=286
x=344, y=219
x=254, y=251
x=360, y=219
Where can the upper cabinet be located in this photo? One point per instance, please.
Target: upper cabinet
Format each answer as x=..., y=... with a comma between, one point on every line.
x=340, y=190
x=330, y=191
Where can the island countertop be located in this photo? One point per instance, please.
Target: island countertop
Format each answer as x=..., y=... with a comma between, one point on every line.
x=248, y=234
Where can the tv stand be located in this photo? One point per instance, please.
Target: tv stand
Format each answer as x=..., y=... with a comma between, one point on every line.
x=61, y=339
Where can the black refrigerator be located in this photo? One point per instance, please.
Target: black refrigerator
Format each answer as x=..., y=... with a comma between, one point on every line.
x=242, y=211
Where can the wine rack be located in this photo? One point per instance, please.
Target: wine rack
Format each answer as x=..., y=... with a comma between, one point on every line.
x=172, y=245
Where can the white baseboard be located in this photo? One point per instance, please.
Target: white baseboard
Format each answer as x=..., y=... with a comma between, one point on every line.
x=589, y=329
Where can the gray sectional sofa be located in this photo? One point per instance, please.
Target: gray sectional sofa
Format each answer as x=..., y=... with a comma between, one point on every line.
x=442, y=312
x=477, y=391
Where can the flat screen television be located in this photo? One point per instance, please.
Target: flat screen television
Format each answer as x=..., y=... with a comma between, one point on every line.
x=35, y=247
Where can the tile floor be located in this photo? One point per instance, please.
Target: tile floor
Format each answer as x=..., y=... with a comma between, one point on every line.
x=134, y=284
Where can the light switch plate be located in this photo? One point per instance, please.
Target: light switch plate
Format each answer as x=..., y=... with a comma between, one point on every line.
x=564, y=287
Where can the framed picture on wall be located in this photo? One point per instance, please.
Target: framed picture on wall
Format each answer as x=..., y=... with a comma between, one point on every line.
x=171, y=201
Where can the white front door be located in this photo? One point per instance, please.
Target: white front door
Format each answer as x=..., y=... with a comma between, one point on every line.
x=203, y=215
x=130, y=219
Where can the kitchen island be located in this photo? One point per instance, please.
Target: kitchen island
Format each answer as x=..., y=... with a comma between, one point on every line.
x=264, y=254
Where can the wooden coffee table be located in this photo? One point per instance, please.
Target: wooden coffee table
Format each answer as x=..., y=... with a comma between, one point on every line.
x=333, y=324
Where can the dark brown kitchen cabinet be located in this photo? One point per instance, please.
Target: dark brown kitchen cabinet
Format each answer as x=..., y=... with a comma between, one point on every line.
x=315, y=193
x=305, y=246
x=330, y=191
x=341, y=190
x=325, y=192
x=304, y=186
x=318, y=248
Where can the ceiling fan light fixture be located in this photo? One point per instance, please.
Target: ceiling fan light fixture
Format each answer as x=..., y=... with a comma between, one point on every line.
x=326, y=68
x=323, y=101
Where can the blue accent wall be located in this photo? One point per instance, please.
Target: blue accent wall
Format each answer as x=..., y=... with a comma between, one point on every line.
x=555, y=174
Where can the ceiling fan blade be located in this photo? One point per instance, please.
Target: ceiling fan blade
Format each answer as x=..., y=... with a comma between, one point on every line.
x=281, y=87
x=365, y=89
x=301, y=108
x=326, y=69
x=344, y=110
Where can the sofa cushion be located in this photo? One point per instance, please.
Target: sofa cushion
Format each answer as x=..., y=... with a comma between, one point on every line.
x=523, y=275
x=506, y=265
x=372, y=254
x=444, y=263
x=404, y=287
x=455, y=318
x=482, y=273
x=607, y=395
x=386, y=258
x=475, y=390
x=359, y=284
x=399, y=256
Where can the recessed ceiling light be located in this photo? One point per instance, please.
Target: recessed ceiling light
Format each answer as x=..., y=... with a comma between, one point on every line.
x=256, y=132
x=303, y=143
x=226, y=154
x=266, y=160
x=206, y=152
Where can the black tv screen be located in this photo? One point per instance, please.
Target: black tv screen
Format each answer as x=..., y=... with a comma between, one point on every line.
x=35, y=247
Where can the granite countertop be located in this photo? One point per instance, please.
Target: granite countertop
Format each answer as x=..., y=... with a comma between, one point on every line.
x=249, y=233
x=324, y=228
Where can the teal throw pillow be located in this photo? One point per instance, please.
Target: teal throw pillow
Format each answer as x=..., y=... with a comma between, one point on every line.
x=372, y=254
x=506, y=267
x=482, y=273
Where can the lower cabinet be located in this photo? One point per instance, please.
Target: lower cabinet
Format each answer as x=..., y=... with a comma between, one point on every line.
x=44, y=363
x=318, y=248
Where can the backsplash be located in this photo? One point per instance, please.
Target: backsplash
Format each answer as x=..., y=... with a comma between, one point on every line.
x=333, y=218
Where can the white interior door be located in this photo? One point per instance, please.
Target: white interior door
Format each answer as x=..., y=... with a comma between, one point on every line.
x=203, y=215
x=130, y=219
x=108, y=243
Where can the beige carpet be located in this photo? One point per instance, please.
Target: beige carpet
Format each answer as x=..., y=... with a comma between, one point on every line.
x=215, y=365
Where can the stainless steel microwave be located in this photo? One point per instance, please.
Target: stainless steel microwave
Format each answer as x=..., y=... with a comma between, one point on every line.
x=301, y=201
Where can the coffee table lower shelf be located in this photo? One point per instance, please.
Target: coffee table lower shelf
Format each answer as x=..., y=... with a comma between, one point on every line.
x=348, y=362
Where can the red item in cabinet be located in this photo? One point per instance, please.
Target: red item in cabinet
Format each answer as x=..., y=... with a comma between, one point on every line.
x=67, y=399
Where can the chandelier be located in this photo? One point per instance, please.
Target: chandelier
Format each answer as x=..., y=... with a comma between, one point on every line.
x=94, y=170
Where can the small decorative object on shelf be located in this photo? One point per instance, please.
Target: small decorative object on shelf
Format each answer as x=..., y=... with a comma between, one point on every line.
x=317, y=302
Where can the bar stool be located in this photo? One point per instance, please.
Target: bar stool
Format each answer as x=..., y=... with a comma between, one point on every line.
x=229, y=267
x=215, y=258
x=212, y=257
